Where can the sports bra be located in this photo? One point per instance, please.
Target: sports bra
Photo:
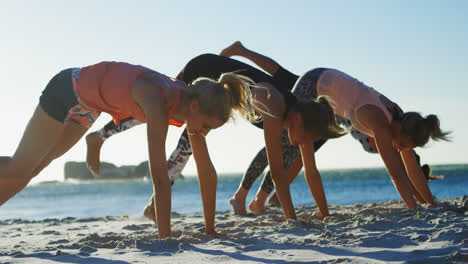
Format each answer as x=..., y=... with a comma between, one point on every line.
x=107, y=87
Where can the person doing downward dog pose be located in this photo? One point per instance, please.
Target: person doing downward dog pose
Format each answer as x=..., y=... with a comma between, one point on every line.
x=74, y=98
x=394, y=137
x=306, y=121
x=368, y=145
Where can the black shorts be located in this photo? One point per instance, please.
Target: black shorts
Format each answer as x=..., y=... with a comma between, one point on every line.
x=58, y=97
x=60, y=101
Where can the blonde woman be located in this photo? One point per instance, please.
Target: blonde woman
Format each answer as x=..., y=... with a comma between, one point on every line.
x=74, y=98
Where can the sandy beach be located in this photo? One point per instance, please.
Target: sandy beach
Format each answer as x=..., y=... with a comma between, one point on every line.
x=361, y=233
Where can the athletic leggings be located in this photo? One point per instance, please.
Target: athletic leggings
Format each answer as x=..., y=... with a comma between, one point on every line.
x=178, y=158
x=111, y=128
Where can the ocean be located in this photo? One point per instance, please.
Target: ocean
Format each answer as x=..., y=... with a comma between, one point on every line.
x=115, y=198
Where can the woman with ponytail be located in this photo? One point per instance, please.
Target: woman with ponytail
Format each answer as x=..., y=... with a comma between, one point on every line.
x=393, y=133
x=75, y=97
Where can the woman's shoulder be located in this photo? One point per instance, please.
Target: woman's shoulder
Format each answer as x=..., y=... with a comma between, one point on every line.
x=268, y=96
x=372, y=117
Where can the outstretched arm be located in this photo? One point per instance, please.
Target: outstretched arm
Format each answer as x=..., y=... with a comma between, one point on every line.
x=375, y=119
x=272, y=126
x=153, y=104
x=208, y=180
x=156, y=133
x=275, y=159
x=416, y=175
x=391, y=157
x=175, y=165
x=264, y=62
x=313, y=177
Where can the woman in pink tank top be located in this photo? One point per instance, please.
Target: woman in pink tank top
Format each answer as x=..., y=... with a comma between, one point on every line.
x=74, y=98
x=394, y=136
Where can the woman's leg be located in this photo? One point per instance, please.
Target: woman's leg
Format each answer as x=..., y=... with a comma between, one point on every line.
x=93, y=152
x=72, y=133
x=40, y=137
x=95, y=140
x=256, y=167
x=237, y=49
x=293, y=171
x=149, y=211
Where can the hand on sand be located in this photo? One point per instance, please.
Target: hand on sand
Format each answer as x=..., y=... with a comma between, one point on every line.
x=94, y=143
x=235, y=49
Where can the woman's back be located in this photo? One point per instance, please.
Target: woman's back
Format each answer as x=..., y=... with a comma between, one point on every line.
x=348, y=95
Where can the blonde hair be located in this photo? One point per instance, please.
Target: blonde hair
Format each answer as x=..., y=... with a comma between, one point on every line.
x=318, y=116
x=218, y=98
x=420, y=128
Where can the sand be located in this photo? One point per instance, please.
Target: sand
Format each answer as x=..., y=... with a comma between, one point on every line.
x=383, y=232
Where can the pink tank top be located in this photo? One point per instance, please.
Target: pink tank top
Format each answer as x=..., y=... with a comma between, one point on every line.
x=107, y=87
x=348, y=95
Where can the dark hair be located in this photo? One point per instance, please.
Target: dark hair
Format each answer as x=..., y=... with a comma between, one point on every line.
x=420, y=129
x=318, y=116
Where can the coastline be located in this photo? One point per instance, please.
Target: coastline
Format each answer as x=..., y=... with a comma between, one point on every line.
x=377, y=232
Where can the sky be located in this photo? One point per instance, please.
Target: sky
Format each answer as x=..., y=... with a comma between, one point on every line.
x=414, y=52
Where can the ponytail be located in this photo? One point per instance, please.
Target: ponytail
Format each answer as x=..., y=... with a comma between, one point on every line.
x=432, y=124
x=219, y=98
x=420, y=129
x=238, y=87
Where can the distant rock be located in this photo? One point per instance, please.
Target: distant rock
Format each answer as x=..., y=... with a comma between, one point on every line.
x=79, y=171
x=49, y=182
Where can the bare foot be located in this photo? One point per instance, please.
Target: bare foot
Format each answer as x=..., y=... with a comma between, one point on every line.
x=149, y=212
x=319, y=215
x=235, y=49
x=94, y=143
x=257, y=206
x=274, y=201
x=238, y=206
